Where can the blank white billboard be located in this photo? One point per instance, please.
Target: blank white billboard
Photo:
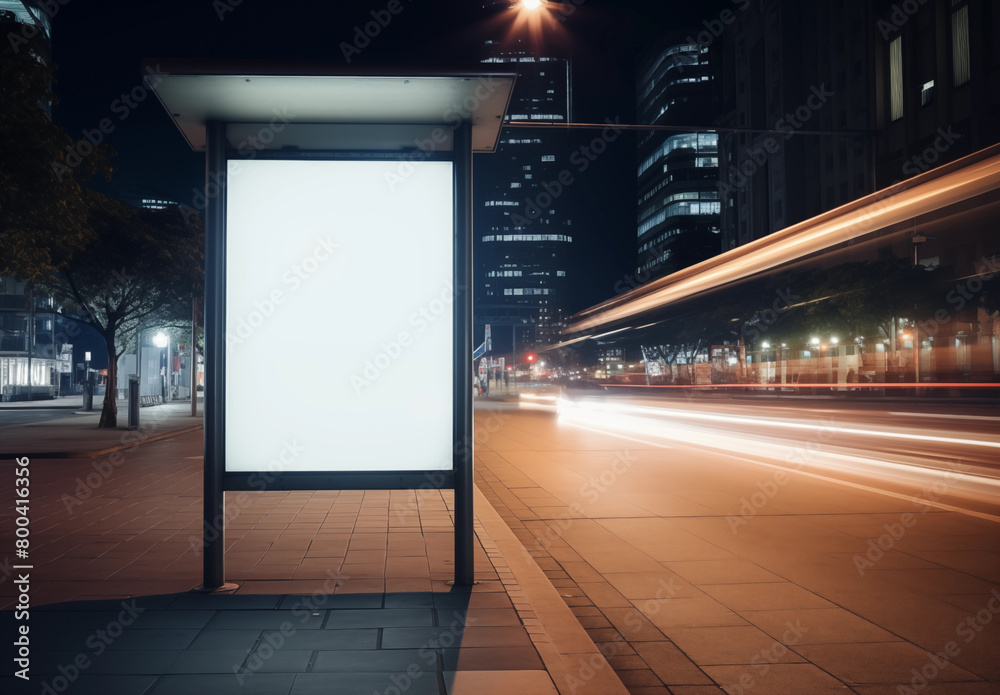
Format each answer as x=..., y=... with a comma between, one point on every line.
x=339, y=327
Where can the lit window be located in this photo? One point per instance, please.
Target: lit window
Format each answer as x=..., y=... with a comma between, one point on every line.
x=927, y=93
x=960, y=45
x=896, y=78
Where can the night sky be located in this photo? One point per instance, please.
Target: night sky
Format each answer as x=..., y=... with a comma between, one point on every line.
x=99, y=46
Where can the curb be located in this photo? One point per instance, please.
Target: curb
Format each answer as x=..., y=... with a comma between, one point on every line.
x=574, y=663
x=101, y=452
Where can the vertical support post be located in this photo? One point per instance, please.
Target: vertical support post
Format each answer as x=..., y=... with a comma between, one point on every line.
x=463, y=454
x=193, y=357
x=215, y=346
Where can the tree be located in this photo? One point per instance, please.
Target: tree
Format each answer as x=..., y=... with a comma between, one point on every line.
x=42, y=211
x=864, y=298
x=107, y=265
x=140, y=266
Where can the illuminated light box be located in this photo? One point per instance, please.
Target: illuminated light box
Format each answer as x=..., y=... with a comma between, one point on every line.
x=339, y=335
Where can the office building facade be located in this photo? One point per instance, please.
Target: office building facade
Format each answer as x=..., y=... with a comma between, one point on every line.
x=524, y=232
x=794, y=85
x=678, y=206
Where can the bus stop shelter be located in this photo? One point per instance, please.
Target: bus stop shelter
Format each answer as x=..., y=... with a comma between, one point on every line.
x=338, y=289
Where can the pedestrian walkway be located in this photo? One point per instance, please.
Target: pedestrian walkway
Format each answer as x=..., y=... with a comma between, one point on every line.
x=337, y=591
x=79, y=436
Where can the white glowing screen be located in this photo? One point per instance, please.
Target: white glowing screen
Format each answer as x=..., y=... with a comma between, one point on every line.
x=339, y=304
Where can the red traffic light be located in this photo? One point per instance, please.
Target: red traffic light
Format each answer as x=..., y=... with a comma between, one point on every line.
x=531, y=358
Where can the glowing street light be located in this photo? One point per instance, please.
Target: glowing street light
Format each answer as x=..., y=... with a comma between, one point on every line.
x=531, y=4
x=161, y=340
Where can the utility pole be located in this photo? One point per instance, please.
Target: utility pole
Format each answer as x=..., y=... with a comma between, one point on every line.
x=513, y=358
x=31, y=337
x=193, y=358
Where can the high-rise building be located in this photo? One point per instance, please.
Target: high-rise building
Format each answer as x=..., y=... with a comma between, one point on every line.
x=524, y=233
x=678, y=213
x=936, y=86
x=794, y=87
x=35, y=355
x=35, y=19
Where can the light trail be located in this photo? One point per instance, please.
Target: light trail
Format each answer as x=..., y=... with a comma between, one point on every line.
x=828, y=386
x=668, y=411
x=923, y=194
x=868, y=488
x=715, y=432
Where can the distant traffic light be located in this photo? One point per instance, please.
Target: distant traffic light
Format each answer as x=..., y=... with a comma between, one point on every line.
x=531, y=358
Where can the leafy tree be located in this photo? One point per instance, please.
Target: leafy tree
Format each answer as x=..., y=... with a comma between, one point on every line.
x=863, y=298
x=141, y=266
x=42, y=211
x=107, y=265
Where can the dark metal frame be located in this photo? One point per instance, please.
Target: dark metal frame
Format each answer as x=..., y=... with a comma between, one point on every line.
x=217, y=480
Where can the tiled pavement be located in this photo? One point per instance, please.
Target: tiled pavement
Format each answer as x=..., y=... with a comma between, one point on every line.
x=338, y=591
x=676, y=600
x=426, y=643
x=637, y=540
x=77, y=436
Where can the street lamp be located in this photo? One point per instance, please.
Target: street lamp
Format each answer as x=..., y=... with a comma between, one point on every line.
x=161, y=340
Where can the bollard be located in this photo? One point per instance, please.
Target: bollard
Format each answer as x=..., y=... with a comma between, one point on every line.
x=133, y=401
x=88, y=393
